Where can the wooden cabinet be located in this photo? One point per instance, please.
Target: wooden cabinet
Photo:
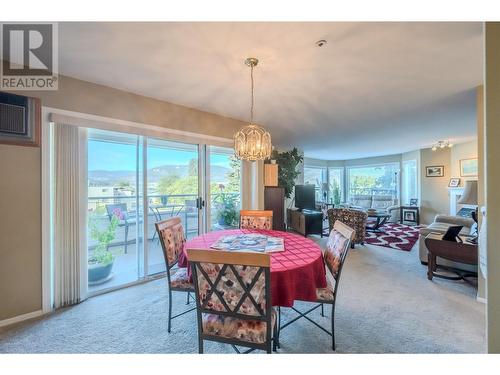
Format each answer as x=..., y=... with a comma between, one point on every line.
x=274, y=200
x=305, y=222
x=270, y=174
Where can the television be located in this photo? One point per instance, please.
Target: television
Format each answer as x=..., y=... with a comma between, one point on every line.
x=305, y=197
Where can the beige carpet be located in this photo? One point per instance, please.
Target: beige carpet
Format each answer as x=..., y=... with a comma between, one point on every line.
x=385, y=305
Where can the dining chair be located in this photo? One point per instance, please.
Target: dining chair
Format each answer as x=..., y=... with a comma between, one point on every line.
x=233, y=299
x=334, y=256
x=172, y=239
x=256, y=219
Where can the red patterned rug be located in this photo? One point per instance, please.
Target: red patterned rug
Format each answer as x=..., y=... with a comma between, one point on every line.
x=395, y=236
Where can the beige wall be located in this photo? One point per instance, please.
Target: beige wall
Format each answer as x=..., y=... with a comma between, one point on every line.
x=396, y=158
x=20, y=185
x=459, y=152
x=492, y=169
x=81, y=96
x=20, y=231
x=434, y=190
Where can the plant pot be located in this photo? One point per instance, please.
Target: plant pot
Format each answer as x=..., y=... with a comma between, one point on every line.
x=98, y=273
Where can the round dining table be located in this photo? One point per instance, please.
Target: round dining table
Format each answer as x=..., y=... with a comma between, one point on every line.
x=296, y=272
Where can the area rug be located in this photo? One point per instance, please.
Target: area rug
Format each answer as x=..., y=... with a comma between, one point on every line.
x=395, y=236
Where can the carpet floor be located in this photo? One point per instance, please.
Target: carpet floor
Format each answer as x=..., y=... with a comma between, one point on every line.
x=385, y=305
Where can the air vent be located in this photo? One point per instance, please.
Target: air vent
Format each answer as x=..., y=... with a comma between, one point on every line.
x=12, y=119
x=20, y=119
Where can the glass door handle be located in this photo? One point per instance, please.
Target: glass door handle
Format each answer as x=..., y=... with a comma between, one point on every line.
x=200, y=203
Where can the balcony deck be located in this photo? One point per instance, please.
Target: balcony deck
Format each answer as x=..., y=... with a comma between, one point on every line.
x=128, y=266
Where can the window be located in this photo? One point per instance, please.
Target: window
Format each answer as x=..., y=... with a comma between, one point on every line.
x=336, y=185
x=379, y=179
x=317, y=176
x=410, y=183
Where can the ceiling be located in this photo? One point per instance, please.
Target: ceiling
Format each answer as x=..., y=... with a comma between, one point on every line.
x=373, y=89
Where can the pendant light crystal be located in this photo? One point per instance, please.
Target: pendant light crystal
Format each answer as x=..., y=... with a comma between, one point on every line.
x=252, y=142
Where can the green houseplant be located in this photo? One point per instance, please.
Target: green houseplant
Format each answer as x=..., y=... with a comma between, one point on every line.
x=287, y=168
x=101, y=260
x=227, y=213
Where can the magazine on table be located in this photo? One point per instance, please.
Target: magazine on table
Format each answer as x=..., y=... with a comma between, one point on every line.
x=250, y=242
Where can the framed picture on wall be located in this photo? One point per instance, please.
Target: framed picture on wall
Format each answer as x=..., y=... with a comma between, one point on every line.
x=434, y=171
x=468, y=167
x=454, y=182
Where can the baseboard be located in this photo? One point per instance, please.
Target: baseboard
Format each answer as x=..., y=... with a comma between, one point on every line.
x=481, y=299
x=21, y=318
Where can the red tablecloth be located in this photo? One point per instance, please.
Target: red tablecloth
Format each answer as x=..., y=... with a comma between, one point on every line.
x=295, y=272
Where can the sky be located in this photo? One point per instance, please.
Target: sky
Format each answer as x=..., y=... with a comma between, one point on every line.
x=122, y=157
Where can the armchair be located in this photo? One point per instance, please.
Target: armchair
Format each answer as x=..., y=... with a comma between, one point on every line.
x=353, y=218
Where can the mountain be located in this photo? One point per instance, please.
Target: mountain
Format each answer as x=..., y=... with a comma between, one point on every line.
x=111, y=178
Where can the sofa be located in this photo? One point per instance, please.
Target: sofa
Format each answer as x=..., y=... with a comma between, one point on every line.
x=377, y=202
x=440, y=225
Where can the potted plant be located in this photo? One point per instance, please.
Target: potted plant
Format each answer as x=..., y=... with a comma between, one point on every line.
x=100, y=261
x=287, y=168
x=227, y=213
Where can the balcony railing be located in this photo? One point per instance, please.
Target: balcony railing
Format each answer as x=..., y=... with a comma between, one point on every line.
x=372, y=191
x=160, y=206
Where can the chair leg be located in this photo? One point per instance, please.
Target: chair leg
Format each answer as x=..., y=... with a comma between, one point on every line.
x=187, y=300
x=322, y=310
x=333, y=327
x=275, y=336
x=279, y=327
x=126, y=238
x=169, y=310
x=200, y=345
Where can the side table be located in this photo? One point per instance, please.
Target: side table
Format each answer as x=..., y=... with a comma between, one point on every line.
x=414, y=212
x=455, y=251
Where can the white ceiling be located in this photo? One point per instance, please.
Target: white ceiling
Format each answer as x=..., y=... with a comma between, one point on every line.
x=374, y=89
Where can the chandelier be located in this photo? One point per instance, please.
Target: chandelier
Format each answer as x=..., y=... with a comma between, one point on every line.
x=442, y=145
x=252, y=142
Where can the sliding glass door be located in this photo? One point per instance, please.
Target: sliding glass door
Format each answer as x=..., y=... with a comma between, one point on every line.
x=134, y=182
x=173, y=189
x=223, y=188
x=114, y=204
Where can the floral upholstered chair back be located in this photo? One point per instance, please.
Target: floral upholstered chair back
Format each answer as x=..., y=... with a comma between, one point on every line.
x=256, y=219
x=231, y=287
x=337, y=247
x=172, y=239
x=354, y=219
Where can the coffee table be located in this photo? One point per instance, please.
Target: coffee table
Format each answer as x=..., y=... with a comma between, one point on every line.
x=381, y=219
